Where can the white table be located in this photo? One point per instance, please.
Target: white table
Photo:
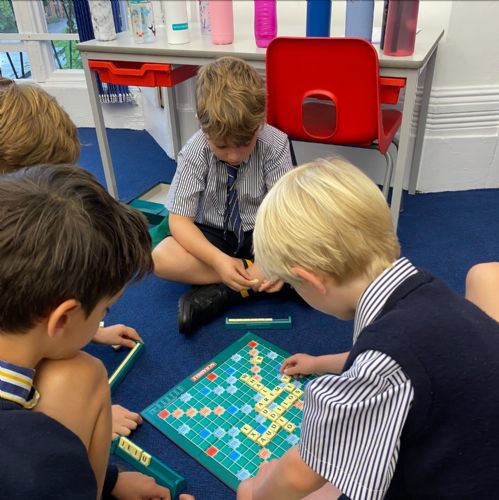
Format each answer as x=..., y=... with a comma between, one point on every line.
x=200, y=51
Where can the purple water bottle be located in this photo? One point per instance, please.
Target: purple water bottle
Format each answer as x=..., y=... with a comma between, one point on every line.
x=265, y=22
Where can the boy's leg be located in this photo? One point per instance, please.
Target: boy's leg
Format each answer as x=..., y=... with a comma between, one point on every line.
x=482, y=287
x=173, y=262
x=75, y=392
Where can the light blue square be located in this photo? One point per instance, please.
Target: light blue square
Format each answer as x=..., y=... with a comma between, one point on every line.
x=243, y=474
x=257, y=397
x=184, y=429
x=260, y=418
x=232, y=389
x=292, y=439
x=219, y=433
x=236, y=358
x=272, y=355
x=233, y=432
x=234, y=443
x=186, y=397
x=219, y=390
x=246, y=409
x=231, y=380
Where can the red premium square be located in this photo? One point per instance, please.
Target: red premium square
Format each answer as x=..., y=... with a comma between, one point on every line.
x=212, y=451
x=163, y=414
x=212, y=376
x=252, y=343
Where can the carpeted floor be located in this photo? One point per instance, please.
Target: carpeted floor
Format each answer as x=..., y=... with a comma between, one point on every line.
x=445, y=233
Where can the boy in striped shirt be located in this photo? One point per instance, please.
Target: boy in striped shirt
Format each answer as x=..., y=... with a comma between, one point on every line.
x=223, y=173
x=407, y=414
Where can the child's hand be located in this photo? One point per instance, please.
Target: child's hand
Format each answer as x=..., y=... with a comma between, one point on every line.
x=233, y=274
x=299, y=365
x=246, y=487
x=124, y=421
x=136, y=486
x=117, y=335
x=271, y=285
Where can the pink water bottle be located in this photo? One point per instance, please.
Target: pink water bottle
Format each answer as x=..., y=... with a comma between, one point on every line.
x=265, y=22
x=401, y=24
x=221, y=21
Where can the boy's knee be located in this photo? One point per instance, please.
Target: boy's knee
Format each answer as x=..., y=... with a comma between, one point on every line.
x=482, y=274
x=83, y=371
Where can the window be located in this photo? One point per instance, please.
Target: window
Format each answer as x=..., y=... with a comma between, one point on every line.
x=14, y=62
x=38, y=38
x=60, y=18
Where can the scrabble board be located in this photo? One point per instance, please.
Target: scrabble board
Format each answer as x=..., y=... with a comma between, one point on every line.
x=235, y=412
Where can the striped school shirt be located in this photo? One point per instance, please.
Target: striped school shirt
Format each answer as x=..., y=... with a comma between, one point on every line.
x=16, y=385
x=199, y=187
x=352, y=422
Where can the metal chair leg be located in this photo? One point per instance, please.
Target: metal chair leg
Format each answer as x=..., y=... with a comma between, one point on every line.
x=388, y=174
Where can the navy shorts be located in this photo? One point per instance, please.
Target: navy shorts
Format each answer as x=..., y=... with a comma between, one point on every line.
x=227, y=243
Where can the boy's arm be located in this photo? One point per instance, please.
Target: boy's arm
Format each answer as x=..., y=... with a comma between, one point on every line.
x=289, y=477
x=189, y=236
x=304, y=364
x=279, y=162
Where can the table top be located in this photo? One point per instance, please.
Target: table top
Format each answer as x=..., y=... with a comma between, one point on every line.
x=201, y=50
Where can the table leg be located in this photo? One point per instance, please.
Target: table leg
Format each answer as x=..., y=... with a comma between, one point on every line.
x=403, y=156
x=418, y=143
x=100, y=130
x=171, y=106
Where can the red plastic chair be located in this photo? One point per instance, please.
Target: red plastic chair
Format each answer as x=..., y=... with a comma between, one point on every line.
x=327, y=90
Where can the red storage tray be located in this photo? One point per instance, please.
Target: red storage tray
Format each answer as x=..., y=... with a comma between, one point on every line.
x=141, y=74
x=389, y=89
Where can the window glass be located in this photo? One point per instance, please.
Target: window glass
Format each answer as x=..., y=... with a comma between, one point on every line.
x=61, y=19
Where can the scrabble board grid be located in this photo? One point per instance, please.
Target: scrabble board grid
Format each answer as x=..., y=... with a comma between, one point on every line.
x=223, y=419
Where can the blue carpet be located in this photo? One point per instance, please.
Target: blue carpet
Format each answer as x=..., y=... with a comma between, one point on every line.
x=445, y=233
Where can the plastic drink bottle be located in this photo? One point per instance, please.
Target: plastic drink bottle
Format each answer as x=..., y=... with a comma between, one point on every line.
x=318, y=17
x=265, y=22
x=221, y=21
x=204, y=17
x=359, y=19
x=176, y=21
x=142, y=20
x=401, y=24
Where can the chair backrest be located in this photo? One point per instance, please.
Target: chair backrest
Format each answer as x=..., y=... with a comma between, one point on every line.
x=324, y=89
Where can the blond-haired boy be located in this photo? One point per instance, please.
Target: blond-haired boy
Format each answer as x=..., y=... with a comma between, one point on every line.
x=223, y=173
x=410, y=414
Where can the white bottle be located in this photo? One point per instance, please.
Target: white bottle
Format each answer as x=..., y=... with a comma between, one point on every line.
x=176, y=21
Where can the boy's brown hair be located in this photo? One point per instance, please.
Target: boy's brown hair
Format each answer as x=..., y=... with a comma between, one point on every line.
x=62, y=236
x=230, y=101
x=34, y=129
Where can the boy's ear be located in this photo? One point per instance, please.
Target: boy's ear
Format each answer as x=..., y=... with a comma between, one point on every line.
x=313, y=279
x=60, y=317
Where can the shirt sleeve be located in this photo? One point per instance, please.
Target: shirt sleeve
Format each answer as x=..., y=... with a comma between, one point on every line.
x=189, y=180
x=279, y=161
x=352, y=425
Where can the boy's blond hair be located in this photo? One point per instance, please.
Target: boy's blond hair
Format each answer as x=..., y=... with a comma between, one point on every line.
x=34, y=129
x=230, y=101
x=329, y=218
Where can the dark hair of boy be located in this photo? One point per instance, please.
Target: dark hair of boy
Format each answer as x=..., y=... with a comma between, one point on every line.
x=63, y=236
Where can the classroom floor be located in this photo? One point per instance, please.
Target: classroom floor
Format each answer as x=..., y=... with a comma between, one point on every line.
x=444, y=233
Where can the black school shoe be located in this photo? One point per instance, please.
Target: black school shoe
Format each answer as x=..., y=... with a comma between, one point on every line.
x=201, y=304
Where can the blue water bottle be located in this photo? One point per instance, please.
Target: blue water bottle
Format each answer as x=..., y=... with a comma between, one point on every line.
x=359, y=19
x=318, y=17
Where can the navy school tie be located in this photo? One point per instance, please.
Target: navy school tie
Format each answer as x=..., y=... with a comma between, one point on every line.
x=232, y=216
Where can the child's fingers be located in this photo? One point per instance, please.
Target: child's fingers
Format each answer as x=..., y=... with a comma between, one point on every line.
x=131, y=333
x=127, y=342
